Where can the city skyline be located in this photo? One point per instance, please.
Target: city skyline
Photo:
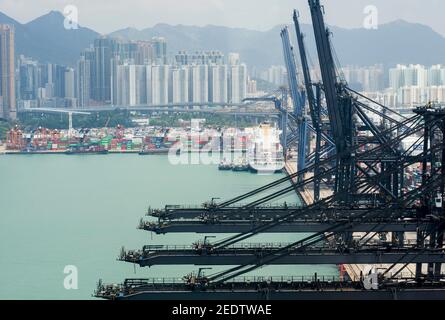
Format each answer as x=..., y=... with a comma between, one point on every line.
x=133, y=73
x=255, y=15
x=142, y=72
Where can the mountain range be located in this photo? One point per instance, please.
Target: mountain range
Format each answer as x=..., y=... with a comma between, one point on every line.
x=46, y=40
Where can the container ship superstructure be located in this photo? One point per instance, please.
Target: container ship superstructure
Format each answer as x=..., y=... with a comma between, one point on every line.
x=265, y=153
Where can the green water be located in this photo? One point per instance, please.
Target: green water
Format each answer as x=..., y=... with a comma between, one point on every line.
x=58, y=210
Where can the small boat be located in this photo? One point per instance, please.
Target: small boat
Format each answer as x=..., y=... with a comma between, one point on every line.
x=225, y=166
x=241, y=166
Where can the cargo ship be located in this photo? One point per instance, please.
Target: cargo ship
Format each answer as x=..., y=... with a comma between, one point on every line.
x=147, y=152
x=84, y=150
x=265, y=155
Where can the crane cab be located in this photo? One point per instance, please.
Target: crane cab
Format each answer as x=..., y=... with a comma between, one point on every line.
x=438, y=201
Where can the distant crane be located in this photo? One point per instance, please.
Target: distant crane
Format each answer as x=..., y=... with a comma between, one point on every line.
x=61, y=111
x=298, y=100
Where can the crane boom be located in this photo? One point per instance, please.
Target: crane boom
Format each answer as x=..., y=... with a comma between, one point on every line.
x=328, y=73
x=297, y=98
x=306, y=73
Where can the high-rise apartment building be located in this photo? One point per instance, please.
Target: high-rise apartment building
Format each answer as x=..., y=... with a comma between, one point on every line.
x=234, y=59
x=276, y=75
x=180, y=85
x=252, y=87
x=159, y=50
x=368, y=79
x=200, y=57
x=218, y=82
x=8, y=108
x=83, y=82
x=406, y=76
x=70, y=85
x=160, y=84
x=199, y=83
x=144, y=53
x=70, y=88
x=131, y=84
x=237, y=83
x=29, y=78
x=104, y=50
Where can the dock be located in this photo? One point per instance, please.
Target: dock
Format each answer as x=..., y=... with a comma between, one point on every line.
x=306, y=193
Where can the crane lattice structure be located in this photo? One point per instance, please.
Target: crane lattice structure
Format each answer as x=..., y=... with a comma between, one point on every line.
x=363, y=162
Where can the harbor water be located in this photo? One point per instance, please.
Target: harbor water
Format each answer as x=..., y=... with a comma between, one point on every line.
x=58, y=211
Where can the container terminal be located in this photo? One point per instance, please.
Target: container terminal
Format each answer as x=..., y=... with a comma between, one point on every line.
x=146, y=140
x=370, y=183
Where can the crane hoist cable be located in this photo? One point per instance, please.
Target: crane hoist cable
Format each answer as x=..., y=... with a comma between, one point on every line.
x=377, y=103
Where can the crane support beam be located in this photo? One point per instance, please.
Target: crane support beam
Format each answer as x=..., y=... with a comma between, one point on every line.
x=291, y=227
x=309, y=257
x=279, y=212
x=309, y=292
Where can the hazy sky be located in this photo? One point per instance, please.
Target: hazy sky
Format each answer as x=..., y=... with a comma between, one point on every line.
x=109, y=15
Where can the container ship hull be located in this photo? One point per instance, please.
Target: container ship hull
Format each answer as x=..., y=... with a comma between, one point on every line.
x=154, y=152
x=85, y=152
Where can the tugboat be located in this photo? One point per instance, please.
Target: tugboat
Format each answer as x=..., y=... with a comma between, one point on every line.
x=225, y=166
x=241, y=166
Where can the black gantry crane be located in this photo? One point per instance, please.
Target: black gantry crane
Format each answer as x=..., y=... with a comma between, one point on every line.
x=370, y=196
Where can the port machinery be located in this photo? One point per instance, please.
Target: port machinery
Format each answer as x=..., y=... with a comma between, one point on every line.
x=364, y=219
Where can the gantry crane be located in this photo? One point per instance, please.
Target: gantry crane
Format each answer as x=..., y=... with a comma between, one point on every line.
x=368, y=166
x=298, y=100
